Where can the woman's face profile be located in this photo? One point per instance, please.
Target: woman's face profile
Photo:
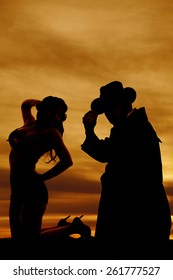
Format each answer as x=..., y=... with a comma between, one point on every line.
x=60, y=115
x=58, y=120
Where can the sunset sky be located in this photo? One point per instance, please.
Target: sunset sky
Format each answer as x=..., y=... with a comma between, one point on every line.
x=70, y=49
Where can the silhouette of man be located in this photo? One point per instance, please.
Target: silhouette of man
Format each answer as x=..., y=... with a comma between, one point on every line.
x=133, y=203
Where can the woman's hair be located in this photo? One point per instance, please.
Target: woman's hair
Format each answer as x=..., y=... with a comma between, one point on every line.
x=50, y=103
x=46, y=112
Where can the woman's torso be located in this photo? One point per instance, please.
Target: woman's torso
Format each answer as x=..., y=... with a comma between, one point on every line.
x=27, y=146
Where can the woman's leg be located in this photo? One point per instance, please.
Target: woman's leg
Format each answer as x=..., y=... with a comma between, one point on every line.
x=27, y=206
x=76, y=227
x=61, y=232
x=14, y=218
x=31, y=220
x=35, y=202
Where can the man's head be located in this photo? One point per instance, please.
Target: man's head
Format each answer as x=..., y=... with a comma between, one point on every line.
x=115, y=101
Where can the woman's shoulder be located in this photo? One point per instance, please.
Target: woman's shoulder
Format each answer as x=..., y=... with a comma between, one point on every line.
x=52, y=133
x=17, y=135
x=13, y=137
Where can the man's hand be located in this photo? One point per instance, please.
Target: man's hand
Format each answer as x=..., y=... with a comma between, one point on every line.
x=90, y=120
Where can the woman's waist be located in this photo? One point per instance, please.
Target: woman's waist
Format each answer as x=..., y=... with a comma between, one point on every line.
x=22, y=174
x=28, y=186
x=26, y=180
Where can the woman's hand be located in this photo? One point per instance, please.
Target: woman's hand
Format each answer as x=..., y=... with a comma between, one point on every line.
x=64, y=158
x=26, y=108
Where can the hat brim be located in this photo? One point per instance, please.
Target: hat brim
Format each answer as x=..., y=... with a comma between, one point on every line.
x=97, y=106
x=100, y=104
x=129, y=94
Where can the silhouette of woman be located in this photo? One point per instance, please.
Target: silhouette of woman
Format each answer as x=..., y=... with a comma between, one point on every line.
x=37, y=137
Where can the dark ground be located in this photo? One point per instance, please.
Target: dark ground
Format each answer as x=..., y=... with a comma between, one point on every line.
x=80, y=249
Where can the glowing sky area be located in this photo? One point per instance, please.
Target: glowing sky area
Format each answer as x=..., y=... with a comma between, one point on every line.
x=70, y=49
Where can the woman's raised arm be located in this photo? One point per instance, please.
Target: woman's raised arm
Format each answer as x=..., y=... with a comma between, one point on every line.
x=26, y=107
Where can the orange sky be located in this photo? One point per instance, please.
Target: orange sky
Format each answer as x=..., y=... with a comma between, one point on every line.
x=70, y=49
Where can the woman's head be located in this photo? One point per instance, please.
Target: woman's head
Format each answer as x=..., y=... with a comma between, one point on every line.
x=51, y=111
